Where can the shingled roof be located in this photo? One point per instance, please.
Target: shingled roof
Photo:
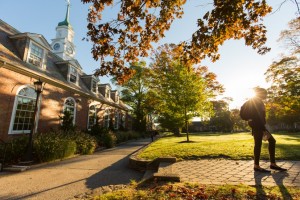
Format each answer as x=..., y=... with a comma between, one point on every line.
x=11, y=58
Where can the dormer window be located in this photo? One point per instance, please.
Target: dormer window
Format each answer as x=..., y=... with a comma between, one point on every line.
x=107, y=93
x=73, y=75
x=36, y=55
x=94, y=86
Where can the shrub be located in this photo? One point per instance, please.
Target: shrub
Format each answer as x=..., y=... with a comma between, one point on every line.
x=109, y=139
x=53, y=145
x=15, y=149
x=85, y=143
x=97, y=131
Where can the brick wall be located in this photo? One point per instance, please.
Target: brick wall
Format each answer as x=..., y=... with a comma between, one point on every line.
x=52, y=102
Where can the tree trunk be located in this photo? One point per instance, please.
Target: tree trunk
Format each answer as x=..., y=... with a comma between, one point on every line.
x=187, y=131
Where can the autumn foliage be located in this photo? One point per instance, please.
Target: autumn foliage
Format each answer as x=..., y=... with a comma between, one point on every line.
x=139, y=23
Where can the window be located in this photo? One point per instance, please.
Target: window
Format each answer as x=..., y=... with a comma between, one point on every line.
x=35, y=55
x=23, y=112
x=123, y=120
x=107, y=93
x=94, y=86
x=106, y=119
x=116, y=126
x=69, y=106
x=73, y=75
x=92, y=116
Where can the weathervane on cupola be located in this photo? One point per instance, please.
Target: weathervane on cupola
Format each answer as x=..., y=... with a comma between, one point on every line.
x=63, y=45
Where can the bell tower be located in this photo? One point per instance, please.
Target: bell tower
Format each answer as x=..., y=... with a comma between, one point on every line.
x=62, y=44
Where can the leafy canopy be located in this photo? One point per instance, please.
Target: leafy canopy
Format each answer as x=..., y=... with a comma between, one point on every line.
x=134, y=93
x=284, y=102
x=182, y=91
x=140, y=22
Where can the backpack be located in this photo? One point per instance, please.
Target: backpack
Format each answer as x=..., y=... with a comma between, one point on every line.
x=246, y=111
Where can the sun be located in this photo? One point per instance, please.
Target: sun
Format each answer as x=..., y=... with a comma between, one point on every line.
x=250, y=93
x=240, y=95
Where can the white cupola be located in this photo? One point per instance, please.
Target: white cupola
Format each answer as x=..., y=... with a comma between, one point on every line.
x=63, y=45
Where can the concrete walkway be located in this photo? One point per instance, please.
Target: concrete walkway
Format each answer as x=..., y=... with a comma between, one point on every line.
x=221, y=171
x=68, y=178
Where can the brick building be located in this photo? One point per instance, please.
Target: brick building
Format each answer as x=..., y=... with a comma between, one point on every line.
x=28, y=57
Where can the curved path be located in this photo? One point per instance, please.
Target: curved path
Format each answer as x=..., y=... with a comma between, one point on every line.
x=71, y=177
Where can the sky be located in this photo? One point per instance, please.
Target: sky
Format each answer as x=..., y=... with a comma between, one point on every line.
x=239, y=69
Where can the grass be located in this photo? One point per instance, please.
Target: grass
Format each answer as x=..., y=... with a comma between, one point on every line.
x=232, y=146
x=197, y=191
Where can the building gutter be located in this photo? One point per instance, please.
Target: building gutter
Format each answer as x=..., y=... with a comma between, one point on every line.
x=51, y=81
x=2, y=63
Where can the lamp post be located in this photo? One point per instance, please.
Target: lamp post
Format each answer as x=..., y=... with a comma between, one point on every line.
x=38, y=87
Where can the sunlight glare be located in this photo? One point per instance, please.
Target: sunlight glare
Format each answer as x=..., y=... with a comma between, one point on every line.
x=249, y=93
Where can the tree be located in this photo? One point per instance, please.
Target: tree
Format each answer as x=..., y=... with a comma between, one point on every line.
x=140, y=22
x=238, y=123
x=221, y=118
x=183, y=92
x=67, y=121
x=134, y=93
x=283, y=105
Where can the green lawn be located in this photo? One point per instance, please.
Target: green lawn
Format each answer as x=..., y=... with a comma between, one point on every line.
x=231, y=146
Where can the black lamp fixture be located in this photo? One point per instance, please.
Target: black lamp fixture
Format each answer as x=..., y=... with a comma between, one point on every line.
x=38, y=87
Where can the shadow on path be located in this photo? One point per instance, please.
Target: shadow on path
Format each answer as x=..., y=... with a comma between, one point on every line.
x=117, y=173
x=258, y=176
x=114, y=174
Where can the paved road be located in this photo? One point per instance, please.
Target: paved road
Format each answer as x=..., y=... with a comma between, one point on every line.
x=68, y=178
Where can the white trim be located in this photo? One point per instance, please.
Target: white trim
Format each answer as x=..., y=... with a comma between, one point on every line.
x=69, y=74
x=106, y=113
x=42, y=65
x=12, y=119
x=117, y=120
x=74, y=114
x=88, y=121
x=94, y=80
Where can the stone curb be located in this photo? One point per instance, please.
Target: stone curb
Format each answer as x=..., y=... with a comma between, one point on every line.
x=138, y=164
x=154, y=169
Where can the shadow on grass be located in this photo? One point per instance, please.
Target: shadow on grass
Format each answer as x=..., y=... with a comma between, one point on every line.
x=287, y=151
x=278, y=178
x=188, y=142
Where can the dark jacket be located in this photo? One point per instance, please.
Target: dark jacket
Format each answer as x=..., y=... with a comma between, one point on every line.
x=258, y=115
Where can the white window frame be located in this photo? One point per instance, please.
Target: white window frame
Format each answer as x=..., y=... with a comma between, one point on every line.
x=94, y=85
x=95, y=116
x=12, y=120
x=70, y=73
x=117, y=119
x=117, y=98
x=106, y=118
x=123, y=120
x=64, y=107
x=34, y=61
x=107, y=92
